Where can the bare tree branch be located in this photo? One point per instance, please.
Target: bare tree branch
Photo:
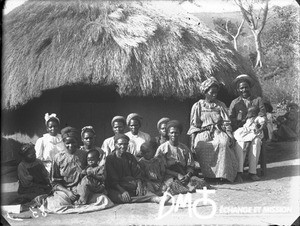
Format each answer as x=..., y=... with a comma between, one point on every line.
x=240, y=28
x=265, y=13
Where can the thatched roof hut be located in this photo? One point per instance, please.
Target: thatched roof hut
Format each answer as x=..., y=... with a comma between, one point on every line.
x=140, y=50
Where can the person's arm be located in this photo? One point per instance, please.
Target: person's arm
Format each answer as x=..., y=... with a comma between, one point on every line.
x=98, y=175
x=105, y=147
x=193, y=135
x=262, y=110
x=39, y=149
x=136, y=173
x=235, y=116
x=25, y=179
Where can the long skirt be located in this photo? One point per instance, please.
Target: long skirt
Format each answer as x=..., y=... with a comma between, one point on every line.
x=216, y=158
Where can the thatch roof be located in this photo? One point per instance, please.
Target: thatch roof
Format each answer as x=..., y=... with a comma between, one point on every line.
x=140, y=49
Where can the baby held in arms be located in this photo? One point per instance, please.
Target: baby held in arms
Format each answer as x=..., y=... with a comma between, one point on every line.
x=251, y=129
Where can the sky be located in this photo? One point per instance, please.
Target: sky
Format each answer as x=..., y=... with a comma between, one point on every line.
x=199, y=6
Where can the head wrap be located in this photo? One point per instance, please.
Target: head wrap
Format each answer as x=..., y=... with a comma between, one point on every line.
x=87, y=129
x=120, y=136
x=243, y=78
x=25, y=148
x=118, y=119
x=70, y=132
x=209, y=82
x=52, y=116
x=134, y=116
x=175, y=124
x=161, y=121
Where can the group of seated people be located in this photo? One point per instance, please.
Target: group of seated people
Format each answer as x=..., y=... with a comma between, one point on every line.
x=133, y=167
x=129, y=167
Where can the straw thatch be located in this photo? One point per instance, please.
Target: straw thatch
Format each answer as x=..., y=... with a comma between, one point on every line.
x=140, y=49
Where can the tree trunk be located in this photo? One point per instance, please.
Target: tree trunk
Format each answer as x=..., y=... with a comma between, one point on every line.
x=235, y=43
x=258, y=47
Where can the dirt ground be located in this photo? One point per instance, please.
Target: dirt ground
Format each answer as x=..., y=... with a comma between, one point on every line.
x=272, y=201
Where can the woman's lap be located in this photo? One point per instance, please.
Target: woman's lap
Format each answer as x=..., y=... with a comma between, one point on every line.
x=216, y=158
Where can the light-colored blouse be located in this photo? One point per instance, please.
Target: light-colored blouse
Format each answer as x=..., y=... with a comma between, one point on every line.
x=176, y=154
x=136, y=141
x=208, y=114
x=48, y=146
x=108, y=145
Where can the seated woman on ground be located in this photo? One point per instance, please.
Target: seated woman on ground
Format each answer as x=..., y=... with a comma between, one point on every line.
x=179, y=162
x=288, y=124
x=153, y=168
x=32, y=174
x=51, y=143
x=66, y=173
x=118, y=124
x=124, y=176
x=137, y=137
x=93, y=177
x=161, y=127
x=88, y=135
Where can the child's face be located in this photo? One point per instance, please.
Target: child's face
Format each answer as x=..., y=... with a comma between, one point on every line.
x=163, y=130
x=134, y=126
x=92, y=159
x=147, y=152
x=88, y=139
x=118, y=127
x=30, y=156
x=52, y=128
x=71, y=144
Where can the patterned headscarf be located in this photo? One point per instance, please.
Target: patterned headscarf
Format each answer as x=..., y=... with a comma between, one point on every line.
x=161, y=121
x=134, y=116
x=51, y=116
x=70, y=132
x=208, y=83
x=118, y=119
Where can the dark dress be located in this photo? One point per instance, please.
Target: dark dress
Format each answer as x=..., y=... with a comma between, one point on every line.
x=125, y=172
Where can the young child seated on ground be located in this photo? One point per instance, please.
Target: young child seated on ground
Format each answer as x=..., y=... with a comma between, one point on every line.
x=51, y=143
x=251, y=129
x=93, y=177
x=153, y=168
x=32, y=174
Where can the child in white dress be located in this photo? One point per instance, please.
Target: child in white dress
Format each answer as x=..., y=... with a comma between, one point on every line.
x=51, y=143
x=251, y=129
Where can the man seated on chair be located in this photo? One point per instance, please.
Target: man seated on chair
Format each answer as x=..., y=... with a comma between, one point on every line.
x=238, y=114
